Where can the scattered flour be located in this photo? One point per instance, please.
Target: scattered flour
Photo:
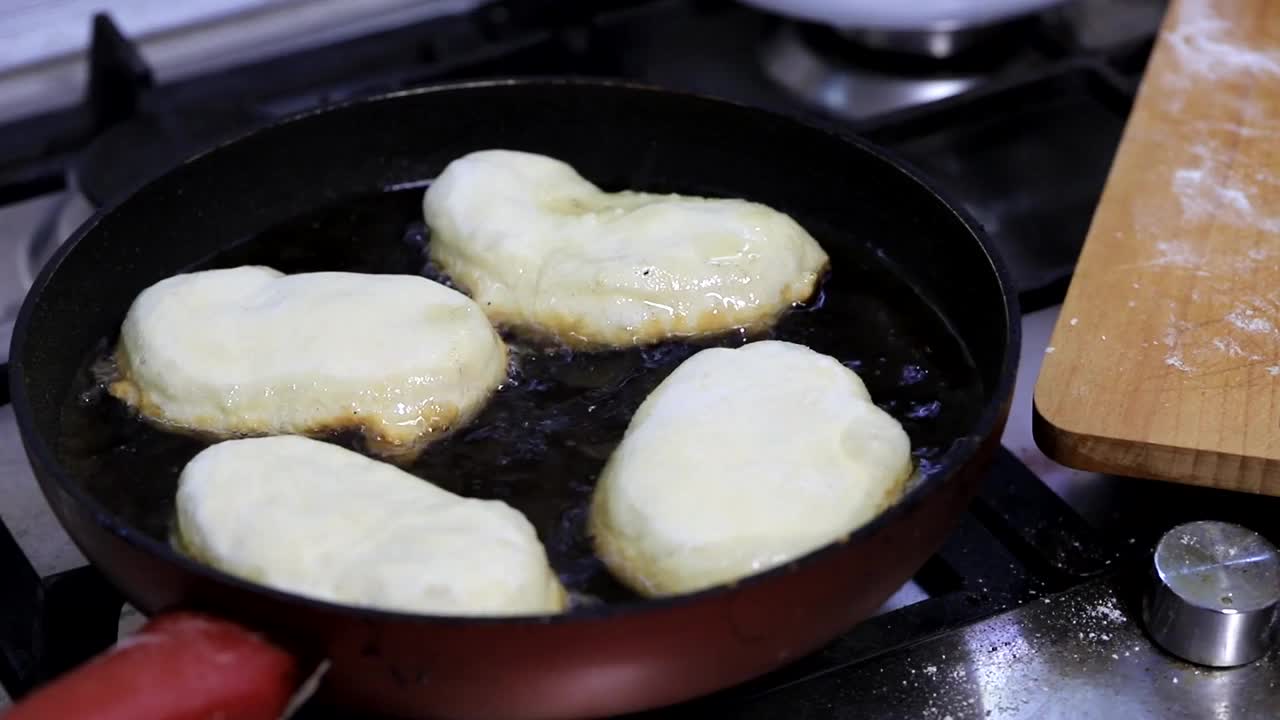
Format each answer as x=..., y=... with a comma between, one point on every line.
x=1107, y=610
x=1214, y=182
x=1244, y=330
x=1248, y=320
x=1177, y=253
x=1208, y=188
x=1172, y=340
x=1173, y=333
x=1204, y=44
x=1232, y=349
x=1208, y=51
x=1206, y=193
x=1243, y=335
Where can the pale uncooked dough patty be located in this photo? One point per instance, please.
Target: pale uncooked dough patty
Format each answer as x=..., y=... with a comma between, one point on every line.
x=547, y=252
x=314, y=519
x=251, y=351
x=742, y=460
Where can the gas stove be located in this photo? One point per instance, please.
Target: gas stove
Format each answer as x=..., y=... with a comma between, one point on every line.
x=1033, y=607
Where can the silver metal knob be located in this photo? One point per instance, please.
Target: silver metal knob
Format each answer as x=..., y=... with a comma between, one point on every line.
x=1216, y=594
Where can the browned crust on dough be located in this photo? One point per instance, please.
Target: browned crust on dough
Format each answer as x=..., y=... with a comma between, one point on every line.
x=444, y=420
x=572, y=331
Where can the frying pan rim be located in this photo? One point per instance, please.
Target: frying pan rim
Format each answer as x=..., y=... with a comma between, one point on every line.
x=963, y=450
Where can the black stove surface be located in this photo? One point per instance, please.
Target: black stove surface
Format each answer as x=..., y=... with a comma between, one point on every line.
x=1025, y=149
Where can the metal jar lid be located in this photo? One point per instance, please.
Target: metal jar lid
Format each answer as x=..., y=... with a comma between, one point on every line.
x=1216, y=594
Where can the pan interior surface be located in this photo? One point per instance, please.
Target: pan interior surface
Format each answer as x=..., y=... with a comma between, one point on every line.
x=914, y=301
x=544, y=437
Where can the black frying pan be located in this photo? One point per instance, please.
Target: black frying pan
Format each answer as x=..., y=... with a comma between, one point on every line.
x=916, y=301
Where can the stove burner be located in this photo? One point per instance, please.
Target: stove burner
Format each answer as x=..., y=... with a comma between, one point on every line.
x=855, y=74
x=850, y=91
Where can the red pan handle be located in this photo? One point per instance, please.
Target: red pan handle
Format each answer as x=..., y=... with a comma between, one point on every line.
x=180, y=666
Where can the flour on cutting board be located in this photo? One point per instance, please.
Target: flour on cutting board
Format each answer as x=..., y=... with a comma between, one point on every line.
x=1173, y=340
x=1178, y=254
x=1203, y=43
x=1184, y=255
x=1218, y=185
x=1247, y=331
x=1248, y=319
x=1208, y=51
x=1205, y=191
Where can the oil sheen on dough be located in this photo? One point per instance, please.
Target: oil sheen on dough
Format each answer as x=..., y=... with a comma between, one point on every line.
x=315, y=519
x=251, y=351
x=545, y=251
x=742, y=460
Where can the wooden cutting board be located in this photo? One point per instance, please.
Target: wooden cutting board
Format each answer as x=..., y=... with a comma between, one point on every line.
x=1165, y=361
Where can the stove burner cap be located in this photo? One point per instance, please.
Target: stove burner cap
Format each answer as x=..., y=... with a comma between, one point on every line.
x=1216, y=594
